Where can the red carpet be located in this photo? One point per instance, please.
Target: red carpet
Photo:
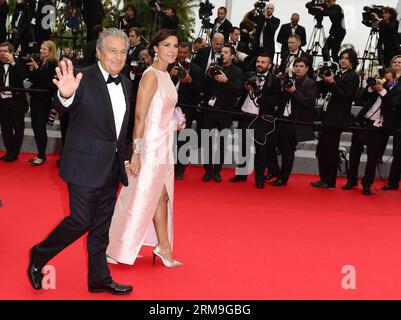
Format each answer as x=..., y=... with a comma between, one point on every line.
x=236, y=242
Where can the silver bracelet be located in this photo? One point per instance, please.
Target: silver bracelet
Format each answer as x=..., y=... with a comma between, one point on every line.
x=138, y=145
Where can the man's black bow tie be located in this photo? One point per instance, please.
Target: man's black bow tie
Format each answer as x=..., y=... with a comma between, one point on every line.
x=261, y=76
x=111, y=79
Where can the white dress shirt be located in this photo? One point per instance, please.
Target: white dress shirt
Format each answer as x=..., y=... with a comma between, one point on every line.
x=249, y=105
x=6, y=94
x=374, y=112
x=117, y=99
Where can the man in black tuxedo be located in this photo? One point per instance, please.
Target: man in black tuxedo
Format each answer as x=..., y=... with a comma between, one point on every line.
x=298, y=104
x=3, y=20
x=222, y=88
x=378, y=113
x=13, y=105
x=207, y=55
x=254, y=104
x=93, y=158
x=337, y=31
x=221, y=24
x=135, y=43
x=294, y=52
x=339, y=92
x=289, y=29
x=189, y=87
x=129, y=19
x=266, y=28
x=241, y=48
x=169, y=19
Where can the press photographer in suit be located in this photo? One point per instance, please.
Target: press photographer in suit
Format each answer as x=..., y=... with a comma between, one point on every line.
x=339, y=92
x=221, y=24
x=289, y=29
x=207, y=55
x=260, y=96
x=297, y=103
x=187, y=78
x=337, y=31
x=13, y=105
x=223, y=86
x=267, y=24
x=378, y=113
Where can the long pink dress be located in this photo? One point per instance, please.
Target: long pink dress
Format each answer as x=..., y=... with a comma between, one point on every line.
x=132, y=223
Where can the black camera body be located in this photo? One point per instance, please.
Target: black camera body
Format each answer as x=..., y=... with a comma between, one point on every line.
x=216, y=67
x=183, y=70
x=254, y=83
x=138, y=67
x=152, y=3
x=35, y=56
x=316, y=12
x=367, y=15
x=205, y=12
x=372, y=81
x=260, y=6
x=327, y=68
x=287, y=80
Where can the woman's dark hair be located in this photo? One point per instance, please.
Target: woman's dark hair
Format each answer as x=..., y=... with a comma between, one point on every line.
x=160, y=36
x=132, y=7
x=393, y=13
x=352, y=55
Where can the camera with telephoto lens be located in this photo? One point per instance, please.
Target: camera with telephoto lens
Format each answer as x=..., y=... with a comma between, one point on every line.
x=35, y=56
x=372, y=81
x=367, y=19
x=205, y=12
x=255, y=85
x=216, y=67
x=287, y=80
x=316, y=12
x=183, y=70
x=260, y=6
x=152, y=3
x=138, y=67
x=327, y=68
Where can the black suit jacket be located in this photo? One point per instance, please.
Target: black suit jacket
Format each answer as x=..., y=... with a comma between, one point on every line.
x=202, y=58
x=336, y=15
x=224, y=28
x=388, y=35
x=133, y=56
x=16, y=76
x=226, y=93
x=285, y=59
x=91, y=144
x=285, y=32
x=302, y=106
x=270, y=94
x=3, y=20
x=269, y=30
x=343, y=92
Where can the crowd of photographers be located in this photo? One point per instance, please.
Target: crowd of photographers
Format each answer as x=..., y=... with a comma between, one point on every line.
x=229, y=75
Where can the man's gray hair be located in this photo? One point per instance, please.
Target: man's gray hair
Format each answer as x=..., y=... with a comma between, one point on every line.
x=111, y=32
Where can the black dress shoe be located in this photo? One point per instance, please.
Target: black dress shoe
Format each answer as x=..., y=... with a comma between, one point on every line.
x=10, y=158
x=270, y=176
x=217, y=177
x=113, y=288
x=390, y=186
x=206, y=177
x=260, y=184
x=179, y=176
x=279, y=183
x=349, y=185
x=238, y=178
x=366, y=191
x=321, y=184
x=35, y=272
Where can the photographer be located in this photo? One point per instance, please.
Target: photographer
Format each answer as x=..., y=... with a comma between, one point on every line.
x=198, y=44
x=389, y=39
x=260, y=96
x=41, y=74
x=266, y=28
x=187, y=78
x=339, y=92
x=289, y=29
x=380, y=99
x=294, y=52
x=169, y=17
x=13, y=105
x=207, y=55
x=248, y=28
x=223, y=87
x=337, y=31
x=23, y=33
x=221, y=24
x=136, y=46
x=241, y=49
x=298, y=104
x=129, y=20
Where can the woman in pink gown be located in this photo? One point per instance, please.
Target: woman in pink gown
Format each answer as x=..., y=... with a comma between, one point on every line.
x=144, y=210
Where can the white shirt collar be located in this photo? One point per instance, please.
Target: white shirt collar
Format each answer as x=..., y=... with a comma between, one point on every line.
x=104, y=72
